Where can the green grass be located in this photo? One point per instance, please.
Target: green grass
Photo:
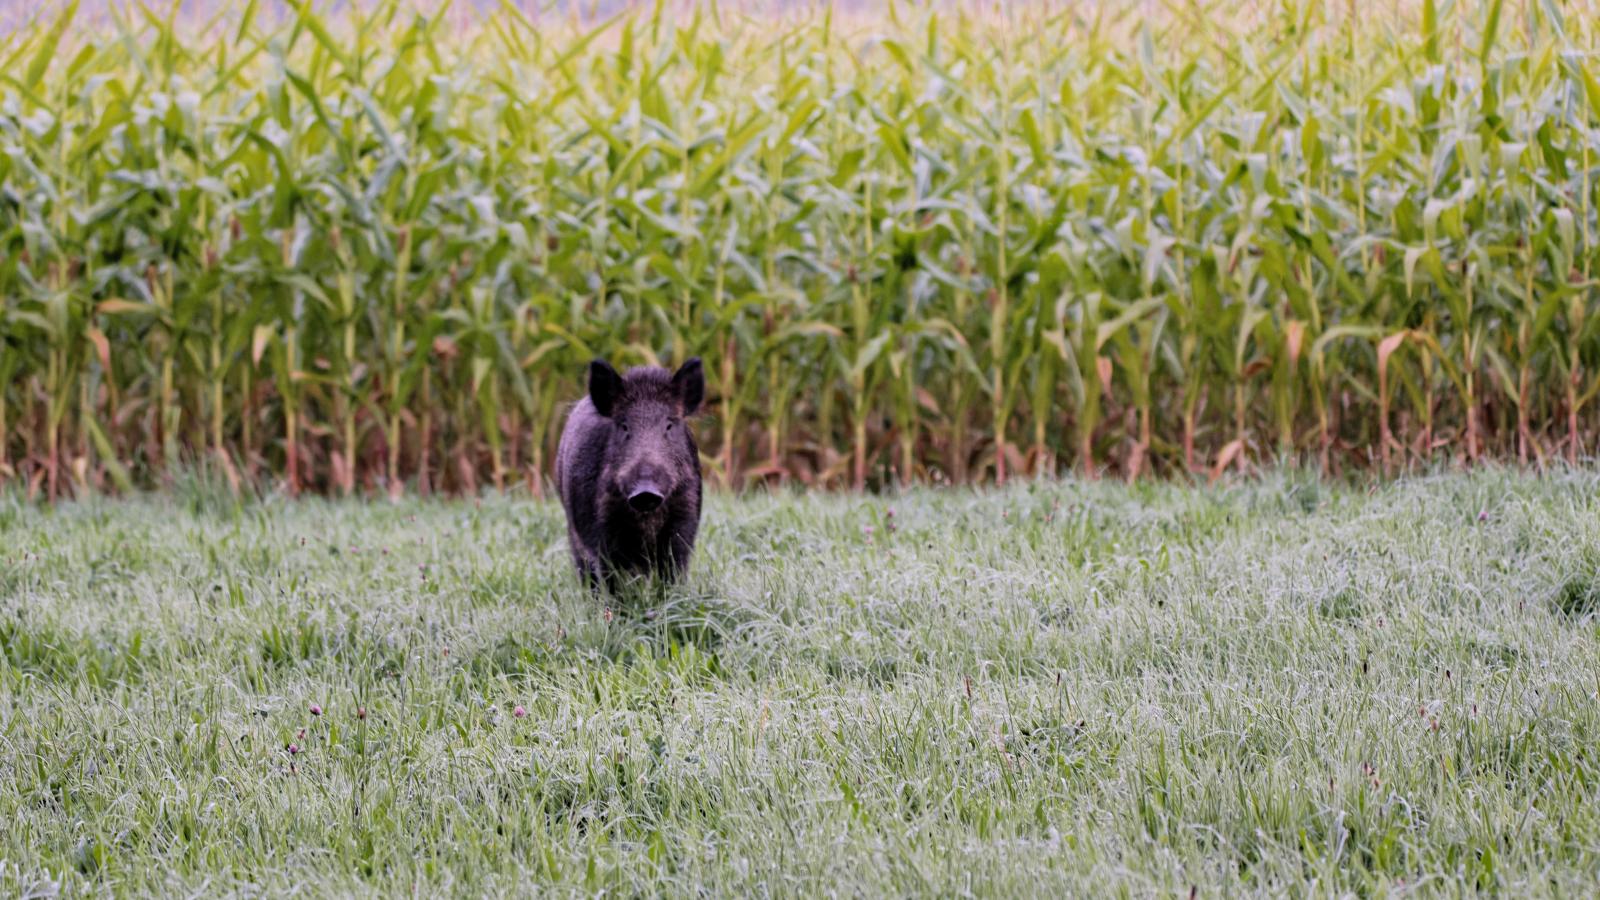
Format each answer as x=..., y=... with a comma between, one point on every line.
x=1057, y=688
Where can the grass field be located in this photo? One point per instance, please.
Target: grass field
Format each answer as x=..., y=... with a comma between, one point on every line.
x=1284, y=687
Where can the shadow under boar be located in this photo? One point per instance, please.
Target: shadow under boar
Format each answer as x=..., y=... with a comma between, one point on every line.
x=628, y=471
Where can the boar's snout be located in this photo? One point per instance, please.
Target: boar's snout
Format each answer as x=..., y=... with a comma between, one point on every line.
x=644, y=498
x=646, y=490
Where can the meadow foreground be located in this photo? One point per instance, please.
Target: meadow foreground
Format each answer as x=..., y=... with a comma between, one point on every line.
x=1067, y=687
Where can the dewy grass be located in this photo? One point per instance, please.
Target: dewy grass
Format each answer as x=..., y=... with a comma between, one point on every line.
x=1057, y=689
x=373, y=249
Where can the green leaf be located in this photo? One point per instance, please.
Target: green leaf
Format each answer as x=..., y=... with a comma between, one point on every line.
x=46, y=51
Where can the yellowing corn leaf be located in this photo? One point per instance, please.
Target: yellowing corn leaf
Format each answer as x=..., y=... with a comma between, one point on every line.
x=1294, y=332
x=117, y=305
x=1226, y=456
x=1102, y=366
x=1386, y=349
x=258, y=343
x=102, y=347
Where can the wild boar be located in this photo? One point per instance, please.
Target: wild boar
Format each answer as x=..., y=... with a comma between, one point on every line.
x=628, y=471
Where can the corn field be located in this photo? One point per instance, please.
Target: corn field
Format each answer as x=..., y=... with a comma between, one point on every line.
x=373, y=250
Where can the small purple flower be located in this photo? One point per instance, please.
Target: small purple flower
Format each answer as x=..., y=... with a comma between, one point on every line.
x=316, y=710
x=519, y=712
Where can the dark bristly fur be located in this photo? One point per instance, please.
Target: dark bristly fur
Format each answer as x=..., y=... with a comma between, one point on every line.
x=629, y=472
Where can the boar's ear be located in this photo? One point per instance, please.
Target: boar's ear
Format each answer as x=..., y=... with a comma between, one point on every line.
x=605, y=386
x=689, y=383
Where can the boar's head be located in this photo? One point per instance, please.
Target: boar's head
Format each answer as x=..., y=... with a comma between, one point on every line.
x=650, y=455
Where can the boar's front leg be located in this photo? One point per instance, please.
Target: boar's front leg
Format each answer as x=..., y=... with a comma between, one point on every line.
x=672, y=555
x=588, y=565
x=589, y=574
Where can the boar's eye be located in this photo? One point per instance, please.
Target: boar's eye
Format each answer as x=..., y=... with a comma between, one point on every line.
x=670, y=423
